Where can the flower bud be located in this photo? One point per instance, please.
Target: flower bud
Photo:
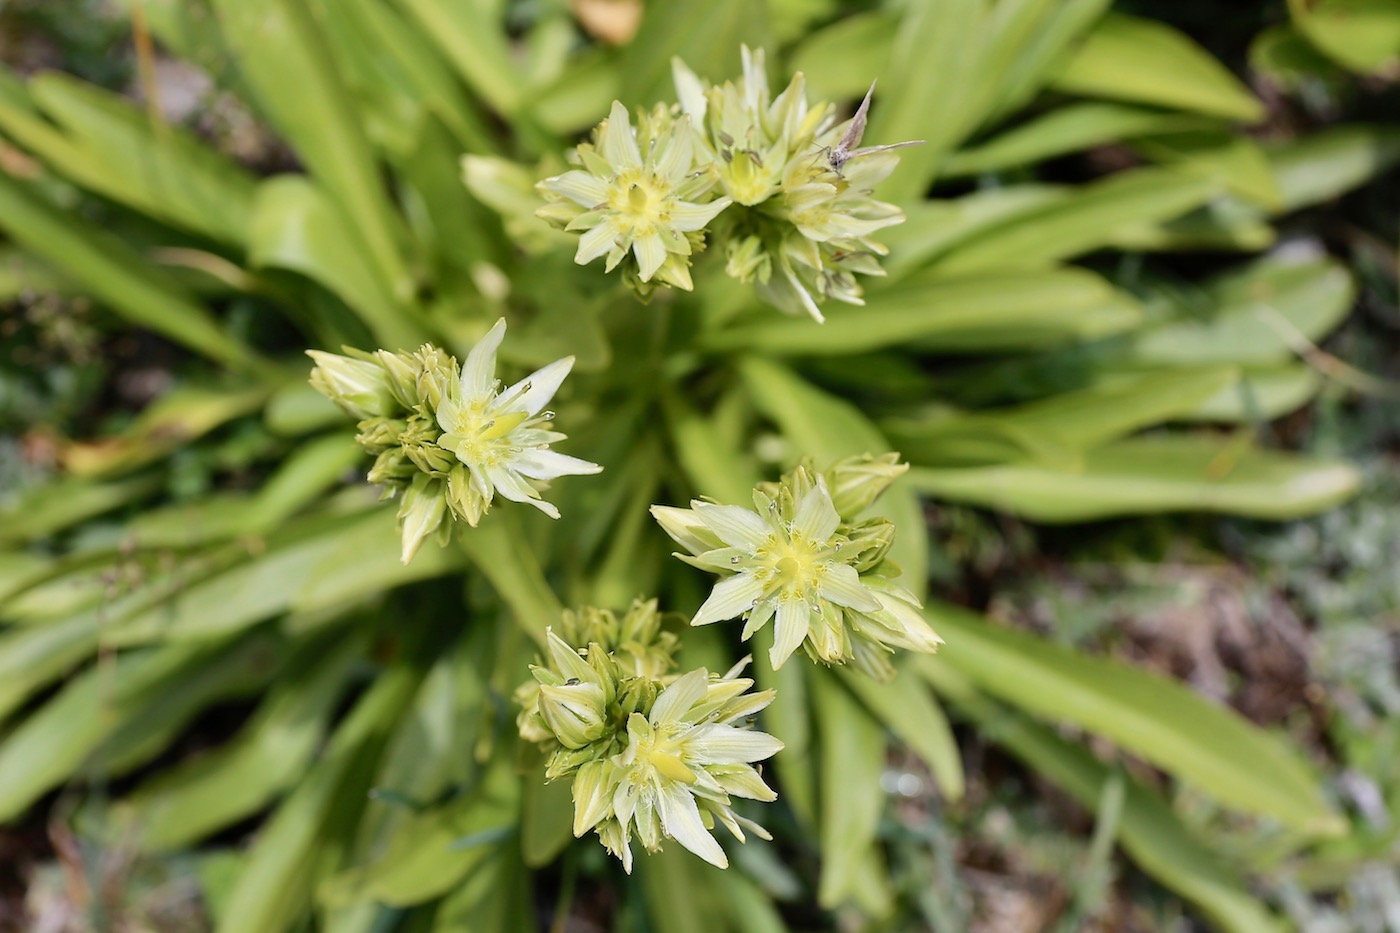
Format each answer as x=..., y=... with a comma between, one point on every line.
x=438, y=376
x=423, y=509
x=391, y=468
x=594, y=786
x=431, y=458
x=746, y=260
x=856, y=482
x=869, y=543
x=358, y=386
x=686, y=529
x=576, y=712
x=402, y=371
x=379, y=434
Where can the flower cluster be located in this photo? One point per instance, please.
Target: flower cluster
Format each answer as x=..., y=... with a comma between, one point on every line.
x=792, y=224
x=651, y=754
x=802, y=558
x=637, y=197
x=447, y=440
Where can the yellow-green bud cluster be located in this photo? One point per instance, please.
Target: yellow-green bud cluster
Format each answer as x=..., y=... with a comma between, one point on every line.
x=651, y=754
x=803, y=558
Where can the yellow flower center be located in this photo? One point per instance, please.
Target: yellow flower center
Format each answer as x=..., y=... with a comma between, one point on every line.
x=794, y=565
x=746, y=179
x=664, y=754
x=486, y=441
x=641, y=201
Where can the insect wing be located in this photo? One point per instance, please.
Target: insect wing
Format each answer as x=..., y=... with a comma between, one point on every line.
x=857, y=128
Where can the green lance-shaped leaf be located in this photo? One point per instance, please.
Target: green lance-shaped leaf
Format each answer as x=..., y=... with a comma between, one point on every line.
x=1143, y=476
x=114, y=717
x=1262, y=313
x=296, y=226
x=1065, y=130
x=1110, y=408
x=1143, y=61
x=116, y=275
x=303, y=839
x=1330, y=162
x=234, y=781
x=474, y=40
x=51, y=507
x=852, y=800
x=433, y=851
x=1084, y=221
x=284, y=59
x=979, y=312
x=1179, y=731
x=1362, y=35
x=104, y=143
x=906, y=708
x=1151, y=834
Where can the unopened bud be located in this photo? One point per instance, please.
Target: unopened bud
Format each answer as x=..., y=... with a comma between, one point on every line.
x=575, y=713
x=423, y=509
x=358, y=386
x=856, y=482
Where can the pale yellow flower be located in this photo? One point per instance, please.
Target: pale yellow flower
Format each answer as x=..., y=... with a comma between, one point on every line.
x=636, y=198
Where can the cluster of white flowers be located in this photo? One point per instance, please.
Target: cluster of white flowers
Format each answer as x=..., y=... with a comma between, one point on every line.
x=753, y=170
x=448, y=440
x=653, y=753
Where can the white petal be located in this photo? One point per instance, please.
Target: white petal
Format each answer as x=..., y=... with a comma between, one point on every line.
x=736, y=526
x=757, y=619
x=588, y=190
x=681, y=820
x=546, y=464
x=448, y=415
x=479, y=371
x=680, y=696
x=745, y=782
x=794, y=619
x=730, y=598
x=803, y=295
x=686, y=216
x=544, y=382
x=690, y=91
x=651, y=253
x=509, y=484
x=816, y=515
x=674, y=161
x=595, y=243
x=841, y=584
x=726, y=745
x=619, y=147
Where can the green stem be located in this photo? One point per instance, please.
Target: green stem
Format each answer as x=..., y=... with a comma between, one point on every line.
x=499, y=550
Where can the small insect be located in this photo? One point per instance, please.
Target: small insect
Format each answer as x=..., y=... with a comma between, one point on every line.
x=844, y=151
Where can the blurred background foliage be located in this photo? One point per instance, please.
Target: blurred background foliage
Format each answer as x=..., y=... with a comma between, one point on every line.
x=1143, y=310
